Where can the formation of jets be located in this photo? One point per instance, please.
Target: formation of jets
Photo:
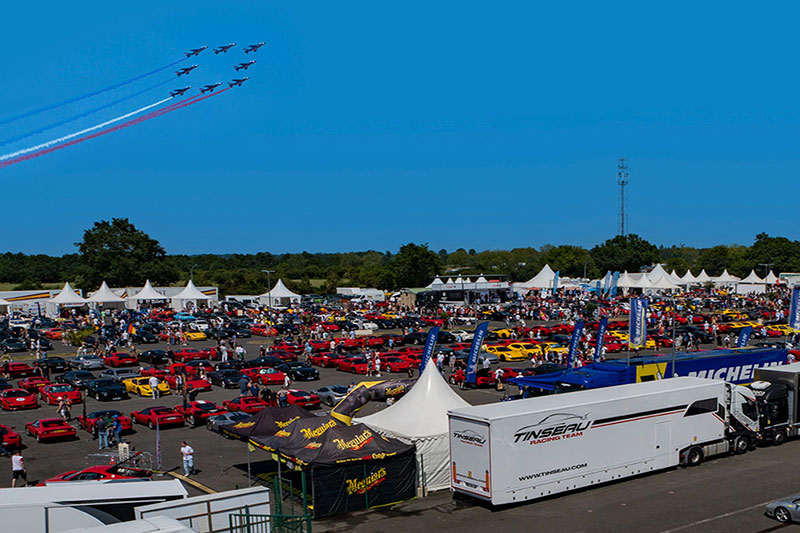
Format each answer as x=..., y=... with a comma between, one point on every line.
x=243, y=66
x=253, y=48
x=178, y=92
x=195, y=51
x=237, y=81
x=210, y=87
x=223, y=49
x=185, y=70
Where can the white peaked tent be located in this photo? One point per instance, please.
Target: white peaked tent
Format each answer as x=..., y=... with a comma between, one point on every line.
x=420, y=418
x=625, y=281
x=542, y=280
x=449, y=281
x=752, y=278
x=689, y=278
x=436, y=281
x=147, y=294
x=771, y=278
x=279, y=296
x=459, y=279
x=725, y=279
x=752, y=283
x=68, y=296
x=106, y=296
x=481, y=280
x=702, y=277
x=664, y=283
x=189, y=295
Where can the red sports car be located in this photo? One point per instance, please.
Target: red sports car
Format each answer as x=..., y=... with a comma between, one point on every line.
x=354, y=365
x=288, y=347
x=413, y=359
x=394, y=364
x=18, y=370
x=409, y=349
x=246, y=404
x=88, y=422
x=160, y=373
x=352, y=344
x=261, y=329
x=320, y=346
x=613, y=346
x=302, y=398
x=13, y=399
x=33, y=384
x=374, y=341
x=192, y=382
x=197, y=412
x=52, y=394
x=54, y=333
x=11, y=440
x=265, y=375
x=484, y=378
x=283, y=355
x=49, y=428
x=323, y=359
x=94, y=473
x=193, y=367
x=158, y=415
x=190, y=354
x=120, y=359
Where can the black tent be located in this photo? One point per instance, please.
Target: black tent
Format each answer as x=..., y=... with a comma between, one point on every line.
x=266, y=422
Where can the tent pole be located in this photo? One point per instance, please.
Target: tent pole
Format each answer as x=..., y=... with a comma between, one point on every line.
x=249, y=477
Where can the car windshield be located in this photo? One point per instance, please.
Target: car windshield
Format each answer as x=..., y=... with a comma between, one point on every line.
x=15, y=393
x=205, y=406
x=237, y=418
x=104, y=382
x=161, y=411
x=61, y=388
x=338, y=389
x=299, y=393
x=358, y=361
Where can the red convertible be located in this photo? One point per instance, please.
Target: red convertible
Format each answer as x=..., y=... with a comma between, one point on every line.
x=18, y=370
x=49, y=428
x=95, y=473
x=302, y=398
x=354, y=365
x=197, y=412
x=88, y=422
x=157, y=416
x=11, y=438
x=33, y=384
x=13, y=399
x=53, y=394
x=246, y=404
x=190, y=354
x=263, y=330
x=120, y=359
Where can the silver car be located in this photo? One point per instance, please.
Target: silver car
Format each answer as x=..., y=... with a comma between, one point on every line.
x=784, y=509
x=87, y=362
x=331, y=395
x=119, y=374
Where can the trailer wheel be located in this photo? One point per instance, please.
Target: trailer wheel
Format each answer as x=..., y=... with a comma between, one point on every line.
x=779, y=437
x=694, y=456
x=740, y=445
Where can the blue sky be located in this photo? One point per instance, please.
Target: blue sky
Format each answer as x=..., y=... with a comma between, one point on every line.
x=366, y=125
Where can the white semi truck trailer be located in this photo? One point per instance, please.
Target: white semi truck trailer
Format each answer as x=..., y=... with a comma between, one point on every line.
x=515, y=451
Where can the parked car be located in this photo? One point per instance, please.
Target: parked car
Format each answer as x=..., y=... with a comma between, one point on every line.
x=197, y=412
x=331, y=394
x=56, y=392
x=106, y=389
x=55, y=364
x=226, y=378
x=103, y=472
x=784, y=510
x=117, y=359
x=49, y=428
x=302, y=398
x=77, y=378
x=16, y=399
x=87, y=362
x=299, y=371
x=158, y=415
x=216, y=422
x=88, y=422
x=119, y=374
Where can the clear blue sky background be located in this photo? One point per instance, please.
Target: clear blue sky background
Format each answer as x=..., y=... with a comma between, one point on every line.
x=366, y=125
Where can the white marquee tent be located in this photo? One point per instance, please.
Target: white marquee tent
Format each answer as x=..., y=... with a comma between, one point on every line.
x=542, y=280
x=106, y=296
x=68, y=296
x=147, y=294
x=702, y=277
x=420, y=417
x=689, y=278
x=189, y=295
x=279, y=296
x=725, y=279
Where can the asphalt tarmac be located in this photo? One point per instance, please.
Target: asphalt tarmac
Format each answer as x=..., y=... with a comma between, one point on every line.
x=725, y=494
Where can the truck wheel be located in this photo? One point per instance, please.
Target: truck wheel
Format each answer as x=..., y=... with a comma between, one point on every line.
x=779, y=437
x=694, y=456
x=782, y=515
x=740, y=445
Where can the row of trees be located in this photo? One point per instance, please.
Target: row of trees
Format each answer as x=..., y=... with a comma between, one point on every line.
x=121, y=254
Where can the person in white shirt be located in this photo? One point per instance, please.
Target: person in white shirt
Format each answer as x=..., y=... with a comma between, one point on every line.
x=18, y=470
x=154, y=382
x=187, y=452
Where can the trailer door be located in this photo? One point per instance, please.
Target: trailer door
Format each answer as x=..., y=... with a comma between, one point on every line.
x=663, y=444
x=470, y=460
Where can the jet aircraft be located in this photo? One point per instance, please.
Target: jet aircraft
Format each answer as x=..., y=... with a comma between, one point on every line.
x=253, y=48
x=195, y=51
x=178, y=92
x=185, y=70
x=244, y=66
x=223, y=49
x=237, y=81
x=210, y=87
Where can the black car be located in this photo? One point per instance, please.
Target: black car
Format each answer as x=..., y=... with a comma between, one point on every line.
x=232, y=364
x=546, y=368
x=106, y=390
x=12, y=344
x=55, y=364
x=217, y=333
x=299, y=371
x=77, y=378
x=154, y=357
x=264, y=360
x=227, y=378
x=144, y=337
x=6, y=385
x=239, y=332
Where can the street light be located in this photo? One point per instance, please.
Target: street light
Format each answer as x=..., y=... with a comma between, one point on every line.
x=269, y=289
x=191, y=273
x=766, y=266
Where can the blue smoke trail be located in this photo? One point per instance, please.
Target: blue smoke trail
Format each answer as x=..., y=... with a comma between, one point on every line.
x=81, y=115
x=94, y=93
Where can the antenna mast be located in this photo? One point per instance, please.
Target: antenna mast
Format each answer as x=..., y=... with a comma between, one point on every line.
x=622, y=183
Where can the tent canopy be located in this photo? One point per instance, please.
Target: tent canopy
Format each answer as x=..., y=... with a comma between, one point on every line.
x=702, y=277
x=752, y=278
x=268, y=422
x=689, y=277
x=148, y=293
x=542, y=280
x=190, y=292
x=68, y=296
x=105, y=295
x=279, y=293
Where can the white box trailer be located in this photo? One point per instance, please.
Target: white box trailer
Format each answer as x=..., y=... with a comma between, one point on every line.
x=526, y=449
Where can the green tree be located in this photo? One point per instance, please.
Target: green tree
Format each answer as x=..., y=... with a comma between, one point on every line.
x=415, y=265
x=624, y=252
x=780, y=251
x=569, y=260
x=122, y=255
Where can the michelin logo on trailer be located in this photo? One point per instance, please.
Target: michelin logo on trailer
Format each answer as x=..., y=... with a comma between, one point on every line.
x=732, y=374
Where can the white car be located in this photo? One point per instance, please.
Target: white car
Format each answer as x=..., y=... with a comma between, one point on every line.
x=199, y=325
x=364, y=324
x=463, y=335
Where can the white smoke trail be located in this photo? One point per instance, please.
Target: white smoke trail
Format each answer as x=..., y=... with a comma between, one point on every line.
x=79, y=133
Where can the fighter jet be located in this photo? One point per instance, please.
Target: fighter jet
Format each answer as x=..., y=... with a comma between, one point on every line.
x=237, y=81
x=243, y=66
x=178, y=92
x=253, y=48
x=223, y=49
x=185, y=70
x=210, y=87
x=195, y=51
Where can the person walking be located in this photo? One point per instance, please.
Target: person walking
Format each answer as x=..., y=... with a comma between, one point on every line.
x=18, y=470
x=100, y=428
x=187, y=453
x=64, y=410
x=117, y=429
x=154, y=382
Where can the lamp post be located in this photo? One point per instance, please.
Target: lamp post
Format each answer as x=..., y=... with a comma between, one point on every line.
x=766, y=273
x=191, y=273
x=269, y=289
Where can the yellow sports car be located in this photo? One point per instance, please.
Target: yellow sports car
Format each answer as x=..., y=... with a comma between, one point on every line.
x=141, y=386
x=504, y=333
x=525, y=348
x=195, y=335
x=783, y=328
x=504, y=353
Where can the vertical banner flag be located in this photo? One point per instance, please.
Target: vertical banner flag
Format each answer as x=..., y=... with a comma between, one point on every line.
x=601, y=339
x=607, y=282
x=474, y=350
x=573, y=343
x=614, y=281
x=637, y=332
x=430, y=344
x=744, y=337
x=597, y=288
x=794, y=310
x=555, y=283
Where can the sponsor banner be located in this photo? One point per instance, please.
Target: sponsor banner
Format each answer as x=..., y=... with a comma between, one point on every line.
x=555, y=283
x=614, y=281
x=744, y=337
x=606, y=282
x=474, y=351
x=601, y=339
x=794, y=309
x=430, y=344
x=573, y=343
x=637, y=331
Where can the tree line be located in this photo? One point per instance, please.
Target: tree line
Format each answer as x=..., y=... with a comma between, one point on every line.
x=122, y=255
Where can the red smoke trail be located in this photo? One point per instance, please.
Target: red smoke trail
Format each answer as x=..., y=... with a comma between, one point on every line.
x=153, y=114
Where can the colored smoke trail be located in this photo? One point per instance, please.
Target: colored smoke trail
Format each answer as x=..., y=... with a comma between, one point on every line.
x=93, y=93
x=79, y=133
x=153, y=114
x=82, y=115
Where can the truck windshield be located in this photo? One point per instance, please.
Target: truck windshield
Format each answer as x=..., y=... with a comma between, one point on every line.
x=750, y=410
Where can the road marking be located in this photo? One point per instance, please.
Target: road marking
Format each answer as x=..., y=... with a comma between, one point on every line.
x=192, y=482
x=718, y=517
